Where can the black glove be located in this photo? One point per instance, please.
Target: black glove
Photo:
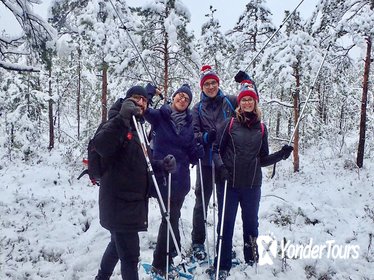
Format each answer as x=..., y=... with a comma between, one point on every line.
x=286, y=150
x=241, y=76
x=129, y=108
x=223, y=173
x=199, y=150
x=170, y=164
x=210, y=136
x=151, y=91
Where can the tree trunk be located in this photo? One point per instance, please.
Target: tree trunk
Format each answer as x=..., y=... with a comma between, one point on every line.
x=296, y=107
x=361, y=141
x=278, y=120
x=50, y=112
x=104, y=93
x=79, y=94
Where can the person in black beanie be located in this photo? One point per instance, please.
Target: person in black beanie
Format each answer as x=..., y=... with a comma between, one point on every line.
x=239, y=153
x=173, y=135
x=124, y=185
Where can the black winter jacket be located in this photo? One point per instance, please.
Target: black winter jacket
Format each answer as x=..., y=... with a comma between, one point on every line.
x=123, y=196
x=243, y=151
x=210, y=114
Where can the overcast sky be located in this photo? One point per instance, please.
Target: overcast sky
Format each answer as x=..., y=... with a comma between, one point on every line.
x=227, y=12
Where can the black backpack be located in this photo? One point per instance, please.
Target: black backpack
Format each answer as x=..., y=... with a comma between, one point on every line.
x=95, y=163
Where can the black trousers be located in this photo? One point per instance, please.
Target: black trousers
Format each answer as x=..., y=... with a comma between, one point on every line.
x=123, y=246
x=198, y=230
x=159, y=255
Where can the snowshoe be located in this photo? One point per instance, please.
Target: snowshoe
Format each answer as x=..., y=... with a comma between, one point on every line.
x=222, y=274
x=158, y=274
x=198, y=252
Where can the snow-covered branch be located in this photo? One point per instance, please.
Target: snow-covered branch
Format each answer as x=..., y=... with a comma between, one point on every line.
x=17, y=67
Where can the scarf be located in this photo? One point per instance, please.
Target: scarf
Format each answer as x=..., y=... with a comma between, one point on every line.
x=250, y=118
x=178, y=119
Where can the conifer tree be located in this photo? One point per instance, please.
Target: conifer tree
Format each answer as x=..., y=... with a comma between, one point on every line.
x=167, y=46
x=251, y=31
x=214, y=47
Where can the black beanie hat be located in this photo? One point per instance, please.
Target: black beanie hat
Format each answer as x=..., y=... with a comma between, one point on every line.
x=186, y=89
x=137, y=90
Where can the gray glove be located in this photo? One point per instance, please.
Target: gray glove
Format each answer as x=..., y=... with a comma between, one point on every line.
x=129, y=108
x=170, y=164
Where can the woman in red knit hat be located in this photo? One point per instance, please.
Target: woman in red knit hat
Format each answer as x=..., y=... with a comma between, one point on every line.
x=239, y=153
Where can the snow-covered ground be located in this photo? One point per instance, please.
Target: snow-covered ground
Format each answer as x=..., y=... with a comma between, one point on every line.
x=50, y=227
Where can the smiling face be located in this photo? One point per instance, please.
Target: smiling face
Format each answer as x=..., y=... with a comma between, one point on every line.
x=247, y=104
x=210, y=87
x=181, y=101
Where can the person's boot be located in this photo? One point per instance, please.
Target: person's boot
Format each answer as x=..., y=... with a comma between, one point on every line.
x=252, y=257
x=102, y=276
x=198, y=252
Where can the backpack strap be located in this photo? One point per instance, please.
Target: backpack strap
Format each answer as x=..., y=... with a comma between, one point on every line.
x=262, y=129
x=262, y=126
x=229, y=102
x=231, y=123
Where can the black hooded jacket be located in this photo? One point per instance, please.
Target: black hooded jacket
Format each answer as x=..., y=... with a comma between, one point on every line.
x=243, y=151
x=210, y=114
x=123, y=196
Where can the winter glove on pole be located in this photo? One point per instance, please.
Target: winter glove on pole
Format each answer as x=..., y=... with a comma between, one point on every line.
x=210, y=136
x=286, y=151
x=128, y=109
x=170, y=164
x=223, y=173
x=241, y=76
x=151, y=92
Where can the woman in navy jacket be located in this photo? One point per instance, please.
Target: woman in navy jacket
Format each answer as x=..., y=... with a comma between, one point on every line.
x=172, y=135
x=240, y=152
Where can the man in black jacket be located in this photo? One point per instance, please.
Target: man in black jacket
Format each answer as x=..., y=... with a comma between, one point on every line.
x=123, y=196
x=209, y=114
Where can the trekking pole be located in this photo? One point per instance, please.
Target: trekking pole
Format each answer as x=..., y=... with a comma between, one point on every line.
x=134, y=45
x=272, y=36
x=214, y=207
x=308, y=96
x=204, y=210
x=145, y=136
x=168, y=230
x=221, y=230
x=306, y=102
x=150, y=170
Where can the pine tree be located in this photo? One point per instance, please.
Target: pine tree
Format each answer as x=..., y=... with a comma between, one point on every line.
x=166, y=44
x=286, y=65
x=36, y=32
x=251, y=31
x=359, y=24
x=214, y=47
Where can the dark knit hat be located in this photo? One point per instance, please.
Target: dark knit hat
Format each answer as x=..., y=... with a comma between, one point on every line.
x=207, y=73
x=247, y=89
x=137, y=90
x=186, y=89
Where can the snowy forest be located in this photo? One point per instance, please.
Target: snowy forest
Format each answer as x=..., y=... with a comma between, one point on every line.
x=60, y=76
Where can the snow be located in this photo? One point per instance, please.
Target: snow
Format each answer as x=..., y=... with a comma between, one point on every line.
x=50, y=227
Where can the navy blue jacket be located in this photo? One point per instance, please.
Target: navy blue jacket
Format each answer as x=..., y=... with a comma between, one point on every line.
x=211, y=113
x=167, y=141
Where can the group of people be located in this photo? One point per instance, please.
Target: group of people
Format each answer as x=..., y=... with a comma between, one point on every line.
x=223, y=133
